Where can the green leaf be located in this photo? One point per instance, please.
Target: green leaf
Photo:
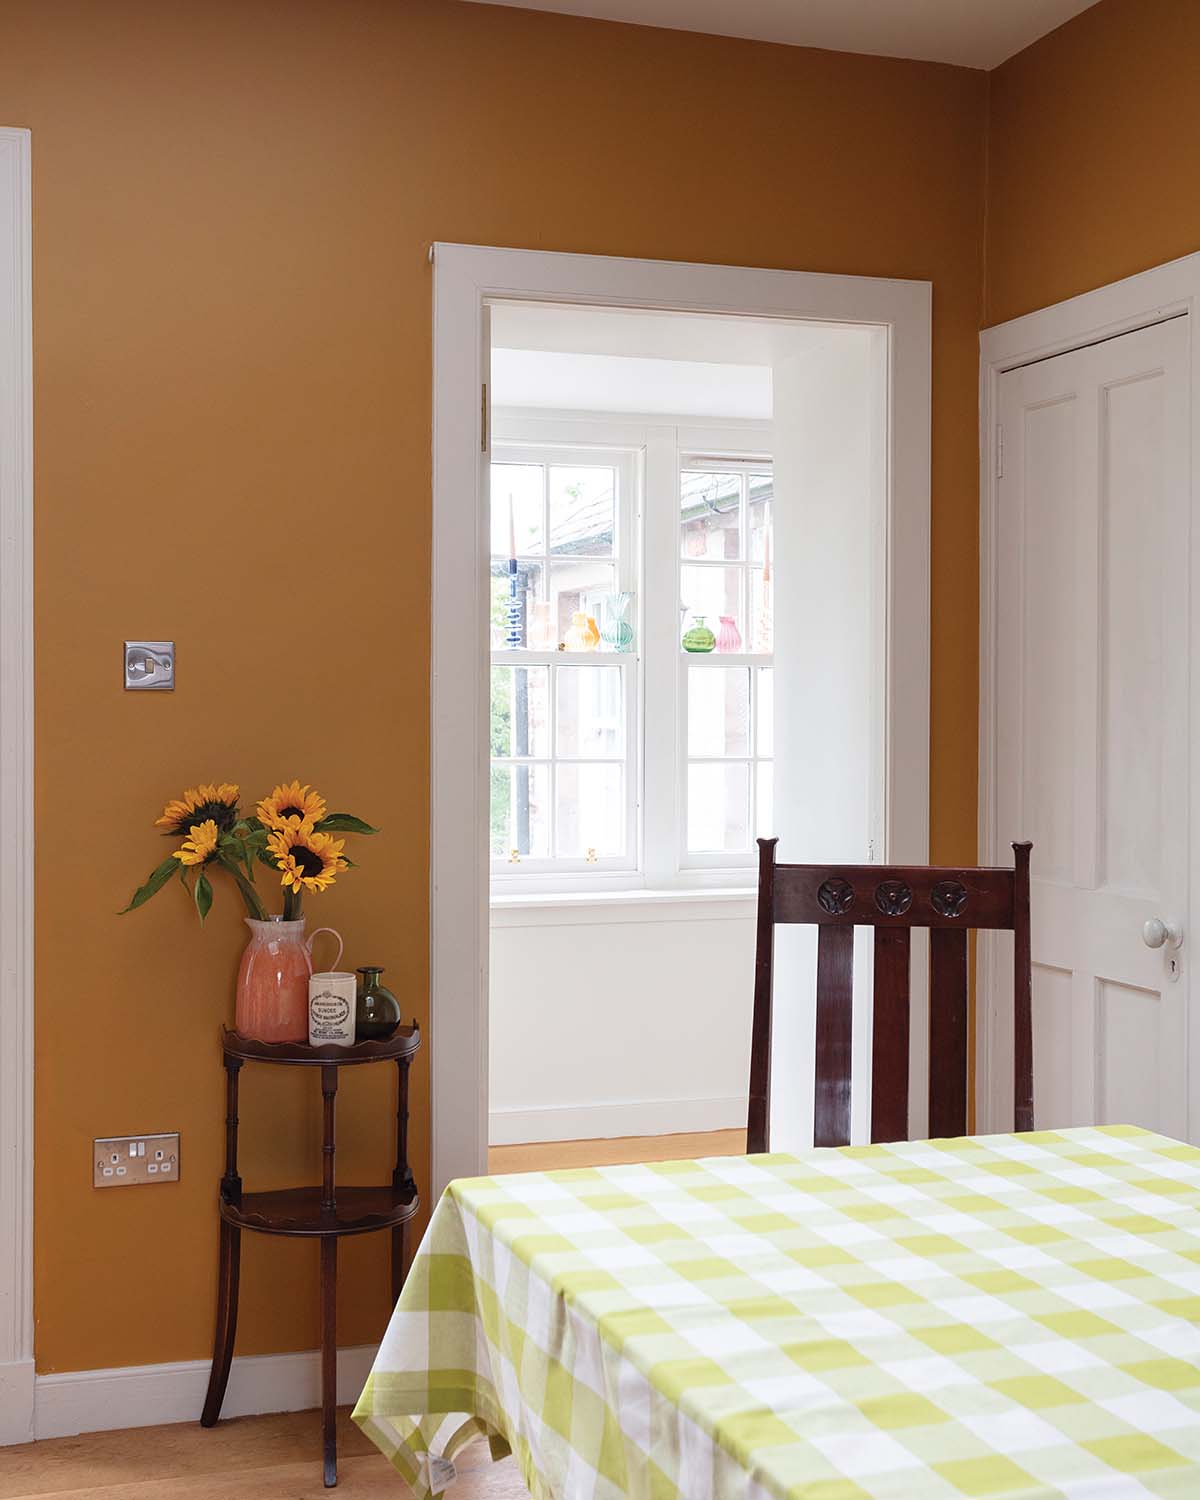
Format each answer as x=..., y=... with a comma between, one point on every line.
x=343, y=823
x=203, y=894
x=154, y=883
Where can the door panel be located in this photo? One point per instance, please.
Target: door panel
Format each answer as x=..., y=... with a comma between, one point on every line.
x=1131, y=655
x=1048, y=598
x=1092, y=717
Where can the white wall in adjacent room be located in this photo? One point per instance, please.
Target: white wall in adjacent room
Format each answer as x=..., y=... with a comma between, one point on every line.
x=611, y=1019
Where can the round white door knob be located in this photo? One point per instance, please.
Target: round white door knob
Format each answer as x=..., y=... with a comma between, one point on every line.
x=1156, y=932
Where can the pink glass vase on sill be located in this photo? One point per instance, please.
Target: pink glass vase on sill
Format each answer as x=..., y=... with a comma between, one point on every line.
x=729, y=637
x=272, y=986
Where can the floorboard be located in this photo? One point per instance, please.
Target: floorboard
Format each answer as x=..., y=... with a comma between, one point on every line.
x=243, y=1458
x=550, y=1156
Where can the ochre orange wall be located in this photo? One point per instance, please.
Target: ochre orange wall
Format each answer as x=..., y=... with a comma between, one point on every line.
x=1093, y=145
x=233, y=204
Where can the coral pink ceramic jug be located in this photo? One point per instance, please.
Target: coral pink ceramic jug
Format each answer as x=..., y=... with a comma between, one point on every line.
x=272, y=987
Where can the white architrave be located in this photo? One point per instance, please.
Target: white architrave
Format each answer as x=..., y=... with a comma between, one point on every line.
x=1166, y=291
x=465, y=278
x=16, y=792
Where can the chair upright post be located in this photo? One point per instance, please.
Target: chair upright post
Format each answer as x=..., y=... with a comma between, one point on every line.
x=758, y=1124
x=1022, y=993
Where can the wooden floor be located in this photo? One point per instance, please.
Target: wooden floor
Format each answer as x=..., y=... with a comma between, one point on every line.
x=279, y=1457
x=552, y=1155
x=243, y=1458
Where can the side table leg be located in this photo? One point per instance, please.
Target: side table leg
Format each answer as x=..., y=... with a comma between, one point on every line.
x=329, y=1357
x=399, y=1259
x=226, y=1329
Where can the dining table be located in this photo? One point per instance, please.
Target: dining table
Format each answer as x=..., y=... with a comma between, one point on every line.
x=1015, y=1317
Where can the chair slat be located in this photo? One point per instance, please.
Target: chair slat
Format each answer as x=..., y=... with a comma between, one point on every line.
x=889, y=1045
x=948, y=1032
x=835, y=1017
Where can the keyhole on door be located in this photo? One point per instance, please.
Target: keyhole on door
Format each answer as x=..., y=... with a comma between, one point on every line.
x=1173, y=967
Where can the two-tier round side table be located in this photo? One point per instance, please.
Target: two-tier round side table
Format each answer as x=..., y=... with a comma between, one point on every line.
x=324, y=1213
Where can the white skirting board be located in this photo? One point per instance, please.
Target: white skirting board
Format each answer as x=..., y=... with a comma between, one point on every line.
x=148, y=1395
x=593, y=1122
x=16, y=1401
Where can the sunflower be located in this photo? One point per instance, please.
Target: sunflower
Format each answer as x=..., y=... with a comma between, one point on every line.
x=309, y=861
x=200, y=804
x=289, y=806
x=199, y=846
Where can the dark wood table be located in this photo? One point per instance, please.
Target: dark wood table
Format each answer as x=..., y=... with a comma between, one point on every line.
x=324, y=1213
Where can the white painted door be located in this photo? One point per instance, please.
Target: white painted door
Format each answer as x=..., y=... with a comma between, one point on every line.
x=1092, y=719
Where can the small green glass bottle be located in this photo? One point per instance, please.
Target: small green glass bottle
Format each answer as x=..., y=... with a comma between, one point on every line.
x=378, y=1011
x=699, y=638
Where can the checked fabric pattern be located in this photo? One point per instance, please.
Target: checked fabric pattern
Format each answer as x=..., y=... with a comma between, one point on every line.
x=1010, y=1317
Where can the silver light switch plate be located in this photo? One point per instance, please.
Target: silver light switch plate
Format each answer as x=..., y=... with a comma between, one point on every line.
x=150, y=665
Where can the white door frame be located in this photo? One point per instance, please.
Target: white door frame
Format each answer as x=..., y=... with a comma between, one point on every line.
x=1150, y=297
x=16, y=791
x=465, y=277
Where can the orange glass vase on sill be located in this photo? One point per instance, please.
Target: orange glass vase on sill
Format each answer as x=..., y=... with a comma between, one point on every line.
x=272, y=987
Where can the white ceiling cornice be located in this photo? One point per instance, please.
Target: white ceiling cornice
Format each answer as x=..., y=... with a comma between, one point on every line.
x=970, y=33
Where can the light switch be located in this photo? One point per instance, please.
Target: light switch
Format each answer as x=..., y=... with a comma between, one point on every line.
x=150, y=665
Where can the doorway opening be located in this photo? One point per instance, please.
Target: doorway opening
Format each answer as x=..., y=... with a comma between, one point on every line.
x=635, y=576
x=689, y=507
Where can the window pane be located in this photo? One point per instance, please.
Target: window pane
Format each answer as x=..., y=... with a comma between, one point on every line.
x=711, y=594
x=765, y=740
x=766, y=799
x=761, y=492
x=577, y=587
x=520, y=711
x=590, y=811
x=709, y=507
x=517, y=490
x=529, y=613
x=520, y=811
x=590, y=718
x=762, y=626
x=718, y=807
x=583, y=510
x=718, y=711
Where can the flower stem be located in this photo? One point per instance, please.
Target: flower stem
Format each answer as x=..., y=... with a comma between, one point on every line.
x=254, y=905
x=291, y=906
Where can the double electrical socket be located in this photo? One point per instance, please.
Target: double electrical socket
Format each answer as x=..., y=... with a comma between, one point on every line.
x=135, y=1160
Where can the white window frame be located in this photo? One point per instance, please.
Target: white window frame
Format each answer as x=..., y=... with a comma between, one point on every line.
x=657, y=447
x=561, y=443
x=467, y=278
x=720, y=454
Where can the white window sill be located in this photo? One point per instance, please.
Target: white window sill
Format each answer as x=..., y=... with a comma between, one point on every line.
x=566, y=908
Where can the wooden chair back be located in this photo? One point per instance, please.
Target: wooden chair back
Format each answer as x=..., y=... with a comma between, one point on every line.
x=893, y=899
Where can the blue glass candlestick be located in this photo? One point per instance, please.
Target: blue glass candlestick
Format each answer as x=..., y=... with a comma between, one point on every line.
x=516, y=632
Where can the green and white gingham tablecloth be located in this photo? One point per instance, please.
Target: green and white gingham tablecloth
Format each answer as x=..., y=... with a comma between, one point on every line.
x=1016, y=1317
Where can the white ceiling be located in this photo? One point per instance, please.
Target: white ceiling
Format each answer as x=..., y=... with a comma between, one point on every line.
x=616, y=359
x=528, y=379
x=973, y=33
